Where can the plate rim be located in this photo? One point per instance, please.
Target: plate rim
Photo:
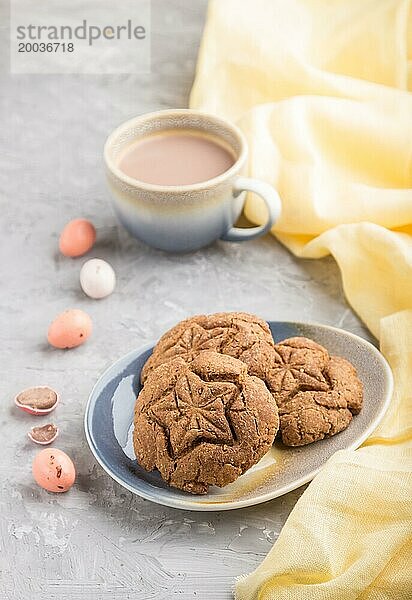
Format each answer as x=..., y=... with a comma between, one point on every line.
x=190, y=503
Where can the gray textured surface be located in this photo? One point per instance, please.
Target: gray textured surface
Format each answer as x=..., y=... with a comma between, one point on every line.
x=99, y=541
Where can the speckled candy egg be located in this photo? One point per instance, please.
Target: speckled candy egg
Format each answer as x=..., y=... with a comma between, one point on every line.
x=70, y=329
x=53, y=470
x=77, y=238
x=97, y=278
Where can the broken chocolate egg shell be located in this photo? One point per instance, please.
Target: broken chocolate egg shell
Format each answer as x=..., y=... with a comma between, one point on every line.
x=40, y=400
x=43, y=435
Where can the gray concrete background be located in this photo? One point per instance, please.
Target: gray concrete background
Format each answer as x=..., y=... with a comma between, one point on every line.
x=98, y=541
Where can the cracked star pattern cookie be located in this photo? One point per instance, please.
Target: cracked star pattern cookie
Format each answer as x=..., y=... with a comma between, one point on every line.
x=203, y=423
x=316, y=394
x=228, y=333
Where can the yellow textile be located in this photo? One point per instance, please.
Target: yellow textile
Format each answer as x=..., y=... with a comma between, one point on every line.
x=320, y=88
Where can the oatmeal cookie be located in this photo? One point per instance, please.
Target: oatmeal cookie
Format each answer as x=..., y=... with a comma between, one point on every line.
x=316, y=394
x=231, y=333
x=203, y=423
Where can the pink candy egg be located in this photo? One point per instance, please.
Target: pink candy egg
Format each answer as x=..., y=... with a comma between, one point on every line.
x=53, y=470
x=77, y=238
x=70, y=329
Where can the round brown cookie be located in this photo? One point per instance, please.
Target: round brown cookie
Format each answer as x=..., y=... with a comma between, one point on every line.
x=308, y=416
x=228, y=333
x=203, y=423
x=316, y=394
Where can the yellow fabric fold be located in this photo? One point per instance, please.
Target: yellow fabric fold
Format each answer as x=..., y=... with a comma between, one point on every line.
x=321, y=91
x=312, y=557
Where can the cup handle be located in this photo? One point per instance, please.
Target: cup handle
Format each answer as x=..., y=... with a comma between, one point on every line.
x=273, y=204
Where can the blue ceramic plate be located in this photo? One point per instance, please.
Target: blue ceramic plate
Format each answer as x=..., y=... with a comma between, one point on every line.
x=109, y=427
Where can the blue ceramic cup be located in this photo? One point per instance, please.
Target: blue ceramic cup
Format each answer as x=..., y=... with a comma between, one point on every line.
x=186, y=217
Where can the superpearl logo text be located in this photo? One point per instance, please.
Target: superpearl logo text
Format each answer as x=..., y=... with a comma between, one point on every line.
x=91, y=33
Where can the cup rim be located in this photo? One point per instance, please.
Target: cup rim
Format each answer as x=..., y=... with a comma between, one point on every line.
x=152, y=187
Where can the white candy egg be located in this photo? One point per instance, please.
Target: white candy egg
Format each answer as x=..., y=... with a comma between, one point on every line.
x=97, y=278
